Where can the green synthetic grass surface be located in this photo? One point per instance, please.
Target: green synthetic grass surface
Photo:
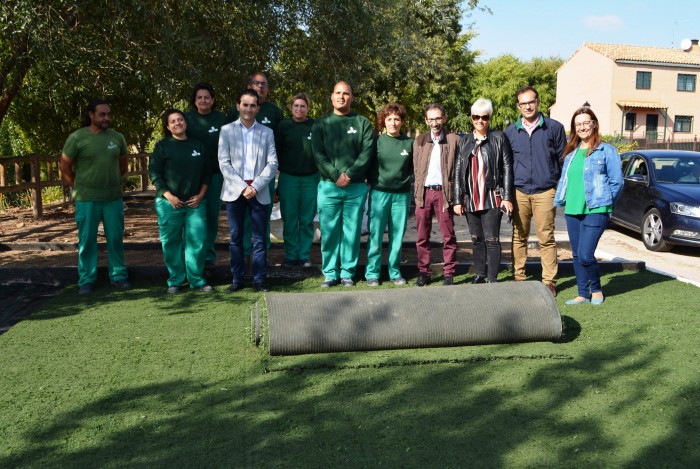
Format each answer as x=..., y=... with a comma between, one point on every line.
x=145, y=379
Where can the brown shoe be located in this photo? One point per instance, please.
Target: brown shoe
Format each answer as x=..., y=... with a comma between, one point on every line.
x=552, y=288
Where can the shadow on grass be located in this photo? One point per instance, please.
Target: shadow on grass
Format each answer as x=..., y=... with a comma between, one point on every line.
x=436, y=416
x=328, y=411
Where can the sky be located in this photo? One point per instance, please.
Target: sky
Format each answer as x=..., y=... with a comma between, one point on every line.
x=557, y=28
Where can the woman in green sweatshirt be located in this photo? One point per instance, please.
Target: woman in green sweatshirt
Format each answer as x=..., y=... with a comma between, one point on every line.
x=204, y=124
x=389, y=177
x=181, y=173
x=298, y=182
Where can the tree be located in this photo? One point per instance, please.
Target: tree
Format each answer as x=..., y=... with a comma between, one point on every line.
x=144, y=56
x=499, y=78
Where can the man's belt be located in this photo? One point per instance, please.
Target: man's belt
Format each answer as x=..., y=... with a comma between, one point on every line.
x=436, y=187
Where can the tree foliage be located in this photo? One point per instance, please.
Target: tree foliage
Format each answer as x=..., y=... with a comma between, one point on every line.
x=144, y=56
x=499, y=78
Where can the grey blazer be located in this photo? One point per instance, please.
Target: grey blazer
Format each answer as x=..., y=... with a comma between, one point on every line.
x=231, y=161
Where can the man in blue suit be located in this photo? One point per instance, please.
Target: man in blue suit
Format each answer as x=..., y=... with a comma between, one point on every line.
x=248, y=161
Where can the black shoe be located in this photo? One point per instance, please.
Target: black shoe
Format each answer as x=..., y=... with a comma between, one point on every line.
x=260, y=286
x=423, y=279
x=235, y=286
x=478, y=279
x=287, y=263
x=447, y=281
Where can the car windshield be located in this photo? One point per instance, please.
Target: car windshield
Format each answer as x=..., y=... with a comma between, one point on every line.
x=677, y=170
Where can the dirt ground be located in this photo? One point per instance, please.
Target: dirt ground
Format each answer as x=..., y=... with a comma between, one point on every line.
x=25, y=242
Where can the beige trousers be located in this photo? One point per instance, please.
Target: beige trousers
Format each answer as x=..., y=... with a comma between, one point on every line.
x=539, y=207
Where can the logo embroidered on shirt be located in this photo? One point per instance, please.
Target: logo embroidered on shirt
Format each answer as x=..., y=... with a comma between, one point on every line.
x=195, y=153
x=265, y=120
x=112, y=146
x=351, y=130
x=309, y=137
x=213, y=129
x=404, y=152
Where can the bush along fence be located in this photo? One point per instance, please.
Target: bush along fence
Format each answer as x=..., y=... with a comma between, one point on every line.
x=35, y=172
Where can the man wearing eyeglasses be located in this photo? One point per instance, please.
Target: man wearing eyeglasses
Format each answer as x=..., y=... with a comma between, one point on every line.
x=538, y=144
x=434, y=154
x=269, y=115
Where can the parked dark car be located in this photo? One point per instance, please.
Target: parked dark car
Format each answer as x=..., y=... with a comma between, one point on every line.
x=661, y=197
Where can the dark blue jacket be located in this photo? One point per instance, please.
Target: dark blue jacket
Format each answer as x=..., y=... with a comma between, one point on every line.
x=537, y=158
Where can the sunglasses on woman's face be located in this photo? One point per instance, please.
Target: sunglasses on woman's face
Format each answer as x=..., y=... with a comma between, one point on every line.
x=483, y=118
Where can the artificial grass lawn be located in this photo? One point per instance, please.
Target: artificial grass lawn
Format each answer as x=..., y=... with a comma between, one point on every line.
x=145, y=379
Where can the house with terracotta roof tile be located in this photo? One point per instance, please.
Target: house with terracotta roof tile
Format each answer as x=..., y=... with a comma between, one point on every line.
x=638, y=92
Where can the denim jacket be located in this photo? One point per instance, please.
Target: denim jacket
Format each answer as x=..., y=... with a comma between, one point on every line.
x=602, y=177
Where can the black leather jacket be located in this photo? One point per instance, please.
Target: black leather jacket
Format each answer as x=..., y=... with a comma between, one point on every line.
x=496, y=151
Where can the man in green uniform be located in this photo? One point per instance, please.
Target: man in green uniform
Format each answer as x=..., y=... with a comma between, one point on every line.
x=343, y=144
x=270, y=116
x=93, y=161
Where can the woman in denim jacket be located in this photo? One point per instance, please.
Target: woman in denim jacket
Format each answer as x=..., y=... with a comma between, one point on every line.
x=591, y=181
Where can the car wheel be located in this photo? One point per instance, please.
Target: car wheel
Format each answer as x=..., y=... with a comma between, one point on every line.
x=652, y=228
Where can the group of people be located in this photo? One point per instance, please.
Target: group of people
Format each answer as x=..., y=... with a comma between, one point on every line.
x=333, y=166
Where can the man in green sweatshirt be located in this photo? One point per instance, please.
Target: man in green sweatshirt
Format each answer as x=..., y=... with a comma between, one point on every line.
x=343, y=145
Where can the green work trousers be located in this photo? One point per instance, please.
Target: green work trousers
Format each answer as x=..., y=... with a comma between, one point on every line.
x=392, y=209
x=213, y=205
x=248, y=229
x=177, y=227
x=298, y=207
x=340, y=217
x=88, y=215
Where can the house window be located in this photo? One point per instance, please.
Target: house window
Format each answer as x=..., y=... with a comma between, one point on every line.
x=683, y=124
x=686, y=82
x=630, y=121
x=643, y=80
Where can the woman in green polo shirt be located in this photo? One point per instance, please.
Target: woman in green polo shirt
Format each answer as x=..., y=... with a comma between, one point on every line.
x=181, y=173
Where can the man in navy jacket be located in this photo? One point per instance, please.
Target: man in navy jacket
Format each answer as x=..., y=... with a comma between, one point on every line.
x=538, y=144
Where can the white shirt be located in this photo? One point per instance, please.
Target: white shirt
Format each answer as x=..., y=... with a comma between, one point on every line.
x=434, y=177
x=248, y=156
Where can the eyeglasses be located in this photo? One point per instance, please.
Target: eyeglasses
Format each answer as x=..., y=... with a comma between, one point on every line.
x=484, y=118
x=434, y=120
x=532, y=103
x=259, y=83
x=584, y=125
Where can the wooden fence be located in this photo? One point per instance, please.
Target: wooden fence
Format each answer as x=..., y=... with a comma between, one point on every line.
x=44, y=172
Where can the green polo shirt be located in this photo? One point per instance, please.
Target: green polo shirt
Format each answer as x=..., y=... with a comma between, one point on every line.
x=96, y=164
